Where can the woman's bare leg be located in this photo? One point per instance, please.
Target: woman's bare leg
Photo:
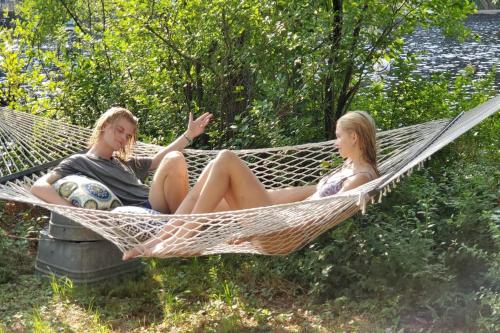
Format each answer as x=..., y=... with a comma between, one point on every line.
x=170, y=183
x=278, y=196
x=186, y=207
x=227, y=177
x=232, y=179
x=151, y=247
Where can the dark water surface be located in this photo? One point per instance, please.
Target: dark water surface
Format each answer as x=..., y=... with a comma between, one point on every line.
x=447, y=54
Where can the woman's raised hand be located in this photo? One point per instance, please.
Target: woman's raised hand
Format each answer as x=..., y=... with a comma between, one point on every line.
x=197, y=126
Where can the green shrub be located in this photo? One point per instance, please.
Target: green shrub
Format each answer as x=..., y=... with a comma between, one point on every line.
x=433, y=243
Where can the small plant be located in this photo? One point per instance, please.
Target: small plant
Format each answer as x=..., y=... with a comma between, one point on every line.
x=96, y=324
x=61, y=287
x=230, y=292
x=38, y=324
x=228, y=324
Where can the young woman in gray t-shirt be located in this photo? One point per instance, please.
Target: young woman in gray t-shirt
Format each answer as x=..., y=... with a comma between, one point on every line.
x=109, y=161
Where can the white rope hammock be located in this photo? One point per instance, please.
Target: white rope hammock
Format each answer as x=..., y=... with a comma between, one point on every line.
x=31, y=145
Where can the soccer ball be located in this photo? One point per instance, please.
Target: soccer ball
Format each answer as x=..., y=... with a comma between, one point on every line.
x=84, y=192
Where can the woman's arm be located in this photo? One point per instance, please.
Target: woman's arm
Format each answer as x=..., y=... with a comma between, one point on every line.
x=291, y=194
x=43, y=189
x=195, y=128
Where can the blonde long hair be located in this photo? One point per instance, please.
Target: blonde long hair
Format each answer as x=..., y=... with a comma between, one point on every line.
x=108, y=118
x=363, y=125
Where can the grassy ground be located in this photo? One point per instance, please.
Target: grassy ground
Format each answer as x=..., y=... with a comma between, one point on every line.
x=192, y=295
x=208, y=294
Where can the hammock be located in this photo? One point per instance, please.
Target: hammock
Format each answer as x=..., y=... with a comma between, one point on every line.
x=30, y=146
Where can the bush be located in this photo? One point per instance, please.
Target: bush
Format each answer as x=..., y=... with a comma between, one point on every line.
x=438, y=228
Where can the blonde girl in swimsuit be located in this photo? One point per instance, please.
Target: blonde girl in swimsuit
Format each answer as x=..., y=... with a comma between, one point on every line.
x=227, y=183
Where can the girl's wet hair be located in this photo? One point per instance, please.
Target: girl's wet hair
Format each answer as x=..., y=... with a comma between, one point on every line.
x=361, y=123
x=108, y=118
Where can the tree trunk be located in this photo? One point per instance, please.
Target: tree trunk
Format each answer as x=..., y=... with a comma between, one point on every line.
x=188, y=86
x=332, y=61
x=199, y=85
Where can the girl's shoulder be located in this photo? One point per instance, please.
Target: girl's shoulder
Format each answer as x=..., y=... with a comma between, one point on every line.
x=360, y=177
x=366, y=171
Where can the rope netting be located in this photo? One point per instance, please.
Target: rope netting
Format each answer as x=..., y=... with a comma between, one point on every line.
x=27, y=140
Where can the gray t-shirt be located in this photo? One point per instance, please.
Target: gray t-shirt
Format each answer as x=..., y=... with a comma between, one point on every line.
x=124, y=179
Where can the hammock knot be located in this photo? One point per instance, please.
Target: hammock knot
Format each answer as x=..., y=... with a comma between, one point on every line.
x=363, y=198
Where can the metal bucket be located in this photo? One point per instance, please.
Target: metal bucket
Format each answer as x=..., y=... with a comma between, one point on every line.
x=68, y=249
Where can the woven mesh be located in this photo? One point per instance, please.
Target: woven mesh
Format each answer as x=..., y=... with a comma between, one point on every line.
x=27, y=141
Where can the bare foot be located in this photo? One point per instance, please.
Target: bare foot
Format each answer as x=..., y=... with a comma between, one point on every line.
x=144, y=249
x=174, y=247
x=172, y=241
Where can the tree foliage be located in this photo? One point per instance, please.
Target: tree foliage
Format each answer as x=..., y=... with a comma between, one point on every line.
x=271, y=71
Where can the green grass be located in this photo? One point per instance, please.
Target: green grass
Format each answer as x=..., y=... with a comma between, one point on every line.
x=181, y=295
x=160, y=300
x=191, y=295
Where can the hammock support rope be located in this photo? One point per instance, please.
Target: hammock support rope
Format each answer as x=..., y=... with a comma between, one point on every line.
x=30, y=146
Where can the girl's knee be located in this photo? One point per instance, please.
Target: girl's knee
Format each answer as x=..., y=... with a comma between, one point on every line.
x=173, y=163
x=175, y=155
x=226, y=155
x=175, y=158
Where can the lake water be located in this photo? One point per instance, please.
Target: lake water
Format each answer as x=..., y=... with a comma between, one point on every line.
x=446, y=54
